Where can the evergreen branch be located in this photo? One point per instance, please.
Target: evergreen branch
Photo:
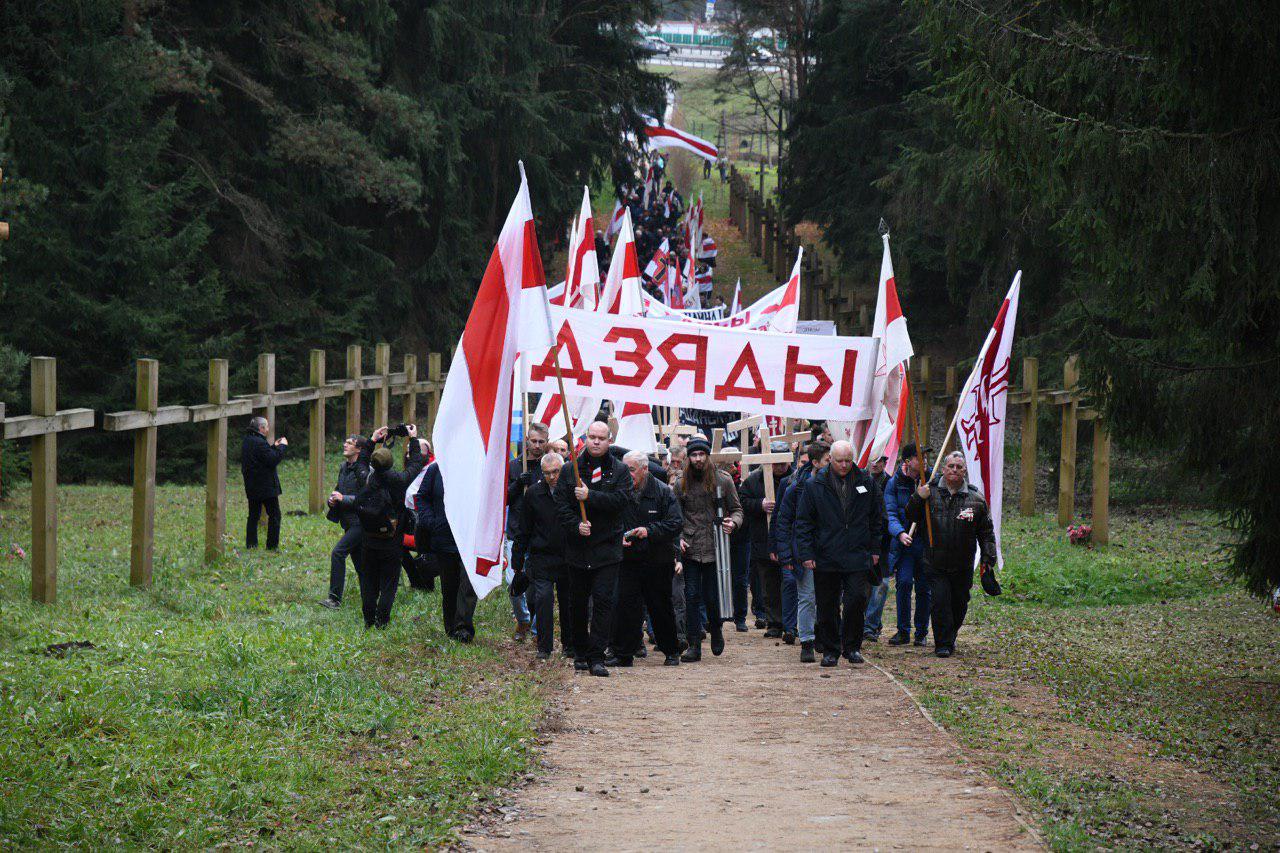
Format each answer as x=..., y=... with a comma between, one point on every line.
x=1096, y=48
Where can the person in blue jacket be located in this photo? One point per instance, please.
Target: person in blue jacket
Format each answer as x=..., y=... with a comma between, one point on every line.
x=906, y=550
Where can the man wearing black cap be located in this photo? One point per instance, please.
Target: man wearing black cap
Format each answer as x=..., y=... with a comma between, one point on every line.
x=906, y=550
x=707, y=498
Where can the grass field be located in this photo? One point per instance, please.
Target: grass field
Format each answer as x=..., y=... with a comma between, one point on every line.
x=223, y=705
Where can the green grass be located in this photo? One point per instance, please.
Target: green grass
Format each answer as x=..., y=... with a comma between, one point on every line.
x=223, y=705
x=1127, y=694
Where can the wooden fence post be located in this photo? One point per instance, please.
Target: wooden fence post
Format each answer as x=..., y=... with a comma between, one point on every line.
x=142, y=544
x=433, y=398
x=1101, y=482
x=382, y=395
x=926, y=399
x=316, y=502
x=267, y=385
x=215, y=464
x=44, y=484
x=354, y=372
x=1030, y=410
x=409, y=413
x=1067, y=457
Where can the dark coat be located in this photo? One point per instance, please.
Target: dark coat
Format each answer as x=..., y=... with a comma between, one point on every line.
x=656, y=509
x=539, y=539
x=757, y=520
x=258, y=461
x=351, y=479
x=432, y=522
x=782, y=537
x=396, y=483
x=961, y=526
x=607, y=501
x=698, y=504
x=517, y=483
x=836, y=538
x=896, y=496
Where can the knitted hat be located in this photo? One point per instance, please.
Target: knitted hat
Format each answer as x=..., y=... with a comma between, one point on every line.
x=381, y=459
x=698, y=443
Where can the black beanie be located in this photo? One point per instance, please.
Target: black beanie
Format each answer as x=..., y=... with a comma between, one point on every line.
x=698, y=443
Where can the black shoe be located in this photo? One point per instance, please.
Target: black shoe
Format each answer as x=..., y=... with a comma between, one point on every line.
x=568, y=653
x=806, y=652
x=465, y=636
x=871, y=638
x=741, y=626
x=773, y=633
x=899, y=639
x=942, y=652
x=855, y=656
x=682, y=645
x=616, y=661
x=829, y=659
x=331, y=603
x=760, y=623
x=544, y=655
x=789, y=639
x=598, y=670
x=921, y=641
x=717, y=644
x=642, y=652
x=672, y=660
x=581, y=666
x=693, y=654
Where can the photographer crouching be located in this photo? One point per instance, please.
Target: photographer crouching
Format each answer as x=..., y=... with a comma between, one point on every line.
x=379, y=507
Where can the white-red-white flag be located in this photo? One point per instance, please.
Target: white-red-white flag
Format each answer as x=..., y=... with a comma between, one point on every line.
x=663, y=136
x=621, y=293
x=884, y=433
x=980, y=415
x=635, y=427
x=474, y=420
x=709, y=248
x=615, y=220
x=736, y=306
x=656, y=269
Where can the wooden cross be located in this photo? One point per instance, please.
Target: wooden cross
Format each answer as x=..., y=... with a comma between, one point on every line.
x=214, y=416
x=143, y=423
x=670, y=431
x=720, y=453
x=766, y=458
x=743, y=427
x=42, y=427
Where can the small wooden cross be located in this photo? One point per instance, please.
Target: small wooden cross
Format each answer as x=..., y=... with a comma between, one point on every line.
x=766, y=459
x=42, y=427
x=720, y=453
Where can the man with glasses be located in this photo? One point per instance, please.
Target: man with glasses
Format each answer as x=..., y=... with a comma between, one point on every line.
x=352, y=475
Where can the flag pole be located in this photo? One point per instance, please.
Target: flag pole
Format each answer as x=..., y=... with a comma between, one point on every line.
x=920, y=454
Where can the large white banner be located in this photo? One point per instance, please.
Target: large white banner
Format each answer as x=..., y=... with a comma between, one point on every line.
x=658, y=362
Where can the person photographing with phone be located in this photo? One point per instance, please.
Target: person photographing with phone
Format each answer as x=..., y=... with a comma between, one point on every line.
x=258, y=460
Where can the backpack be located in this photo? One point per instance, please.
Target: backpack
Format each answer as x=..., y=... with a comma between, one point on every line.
x=379, y=515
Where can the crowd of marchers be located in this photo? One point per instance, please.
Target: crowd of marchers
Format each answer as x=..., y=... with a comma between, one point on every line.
x=620, y=547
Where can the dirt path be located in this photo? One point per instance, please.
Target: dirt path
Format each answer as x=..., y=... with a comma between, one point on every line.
x=750, y=750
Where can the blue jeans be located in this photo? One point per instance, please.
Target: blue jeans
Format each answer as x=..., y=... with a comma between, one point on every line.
x=806, y=604
x=788, y=601
x=903, y=563
x=874, y=618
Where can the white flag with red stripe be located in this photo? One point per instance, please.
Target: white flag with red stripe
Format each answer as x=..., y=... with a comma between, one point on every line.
x=635, y=428
x=890, y=326
x=709, y=248
x=474, y=420
x=615, y=220
x=656, y=269
x=621, y=292
x=981, y=411
x=664, y=136
x=736, y=306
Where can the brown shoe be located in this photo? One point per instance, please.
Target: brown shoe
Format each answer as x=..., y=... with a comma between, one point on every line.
x=522, y=632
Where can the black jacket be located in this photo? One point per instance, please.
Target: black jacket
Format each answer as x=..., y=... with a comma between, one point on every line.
x=835, y=538
x=432, y=523
x=396, y=483
x=961, y=525
x=608, y=498
x=351, y=479
x=757, y=520
x=517, y=484
x=656, y=509
x=539, y=539
x=258, y=461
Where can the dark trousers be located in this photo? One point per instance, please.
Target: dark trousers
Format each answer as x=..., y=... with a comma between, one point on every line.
x=832, y=590
x=256, y=506
x=739, y=574
x=701, y=597
x=950, y=593
x=768, y=575
x=379, y=574
x=548, y=584
x=457, y=598
x=351, y=544
x=641, y=585
x=591, y=594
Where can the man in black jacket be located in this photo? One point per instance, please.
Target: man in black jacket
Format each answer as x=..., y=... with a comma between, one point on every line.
x=258, y=461
x=539, y=550
x=961, y=528
x=352, y=475
x=653, y=523
x=593, y=548
x=520, y=476
x=839, y=526
x=764, y=562
x=457, y=596
x=379, y=505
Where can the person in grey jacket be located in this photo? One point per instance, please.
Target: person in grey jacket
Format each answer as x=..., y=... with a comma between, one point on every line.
x=352, y=475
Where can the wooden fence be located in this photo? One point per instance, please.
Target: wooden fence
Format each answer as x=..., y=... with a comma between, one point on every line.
x=47, y=421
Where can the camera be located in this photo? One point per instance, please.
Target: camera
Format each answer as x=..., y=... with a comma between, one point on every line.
x=401, y=430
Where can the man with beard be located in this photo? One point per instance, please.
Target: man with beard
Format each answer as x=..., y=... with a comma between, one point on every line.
x=539, y=550
x=961, y=527
x=764, y=561
x=707, y=498
x=653, y=523
x=839, y=526
x=593, y=547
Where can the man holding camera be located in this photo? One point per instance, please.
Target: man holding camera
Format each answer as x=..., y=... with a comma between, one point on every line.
x=258, y=461
x=353, y=473
x=379, y=506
